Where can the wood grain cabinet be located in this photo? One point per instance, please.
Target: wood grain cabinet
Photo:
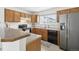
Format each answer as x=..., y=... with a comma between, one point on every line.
x=9, y=15
x=45, y=34
x=16, y=16
x=22, y=14
x=33, y=30
x=34, y=18
x=34, y=45
x=42, y=32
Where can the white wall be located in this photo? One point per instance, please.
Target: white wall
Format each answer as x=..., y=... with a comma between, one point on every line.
x=2, y=24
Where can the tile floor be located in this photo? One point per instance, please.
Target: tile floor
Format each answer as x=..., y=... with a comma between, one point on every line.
x=46, y=46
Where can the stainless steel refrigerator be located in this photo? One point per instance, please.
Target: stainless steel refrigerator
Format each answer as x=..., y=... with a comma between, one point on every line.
x=69, y=32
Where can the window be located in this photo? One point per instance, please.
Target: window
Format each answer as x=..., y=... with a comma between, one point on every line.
x=45, y=19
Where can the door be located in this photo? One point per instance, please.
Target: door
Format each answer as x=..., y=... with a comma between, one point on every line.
x=73, y=41
x=63, y=31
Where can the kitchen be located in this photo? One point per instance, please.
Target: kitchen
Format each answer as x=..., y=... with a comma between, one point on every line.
x=33, y=28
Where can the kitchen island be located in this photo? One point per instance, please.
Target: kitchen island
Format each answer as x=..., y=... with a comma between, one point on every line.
x=16, y=40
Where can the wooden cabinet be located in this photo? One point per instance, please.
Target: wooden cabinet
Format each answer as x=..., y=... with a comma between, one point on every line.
x=22, y=14
x=16, y=16
x=9, y=15
x=45, y=34
x=33, y=30
x=12, y=16
x=42, y=32
x=67, y=11
x=34, y=45
x=34, y=18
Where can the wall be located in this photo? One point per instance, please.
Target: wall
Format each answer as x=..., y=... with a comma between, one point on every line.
x=2, y=17
x=47, y=23
x=1, y=23
x=15, y=24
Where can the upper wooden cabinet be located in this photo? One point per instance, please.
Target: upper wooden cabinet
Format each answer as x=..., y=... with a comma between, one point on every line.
x=67, y=11
x=74, y=10
x=22, y=14
x=16, y=16
x=9, y=15
x=34, y=18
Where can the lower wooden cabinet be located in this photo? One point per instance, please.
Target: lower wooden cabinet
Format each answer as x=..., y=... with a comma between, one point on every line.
x=45, y=34
x=42, y=32
x=34, y=45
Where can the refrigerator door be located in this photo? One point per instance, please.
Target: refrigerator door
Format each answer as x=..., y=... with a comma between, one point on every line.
x=73, y=41
x=63, y=31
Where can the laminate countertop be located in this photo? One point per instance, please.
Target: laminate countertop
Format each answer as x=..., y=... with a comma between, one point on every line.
x=10, y=35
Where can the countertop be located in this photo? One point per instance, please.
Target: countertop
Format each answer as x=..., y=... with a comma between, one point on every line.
x=10, y=35
x=47, y=28
x=32, y=37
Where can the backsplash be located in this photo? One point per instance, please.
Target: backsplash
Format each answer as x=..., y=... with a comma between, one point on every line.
x=52, y=26
x=15, y=24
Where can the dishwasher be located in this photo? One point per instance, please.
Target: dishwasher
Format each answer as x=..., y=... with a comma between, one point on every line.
x=52, y=36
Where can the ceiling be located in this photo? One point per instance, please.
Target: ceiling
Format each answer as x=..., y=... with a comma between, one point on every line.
x=34, y=9
x=39, y=10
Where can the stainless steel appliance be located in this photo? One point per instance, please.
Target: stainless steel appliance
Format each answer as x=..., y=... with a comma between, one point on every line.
x=24, y=27
x=69, y=33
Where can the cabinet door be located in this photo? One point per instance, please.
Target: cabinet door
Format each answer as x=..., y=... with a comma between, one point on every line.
x=22, y=14
x=17, y=16
x=44, y=34
x=38, y=31
x=34, y=18
x=26, y=15
x=9, y=15
x=34, y=45
x=34, y=30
